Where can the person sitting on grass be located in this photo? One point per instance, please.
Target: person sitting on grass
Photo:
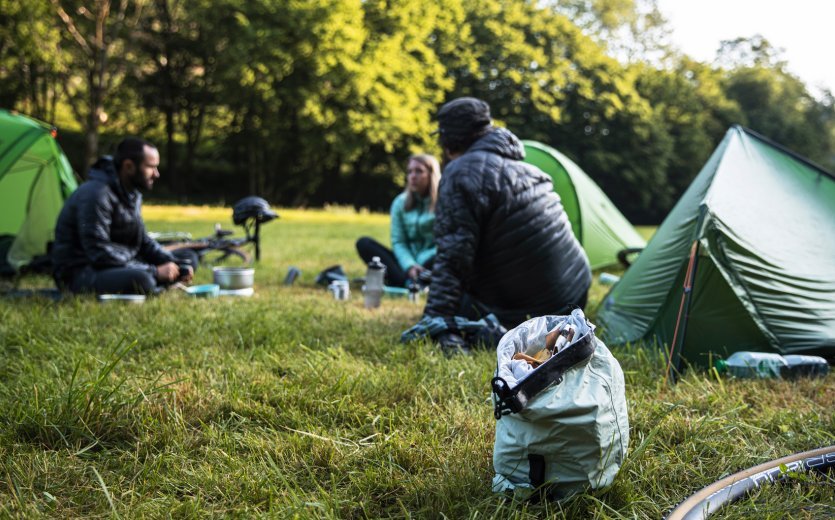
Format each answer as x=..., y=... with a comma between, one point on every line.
x=505, y=245
x=412, y=219
x=100, y=241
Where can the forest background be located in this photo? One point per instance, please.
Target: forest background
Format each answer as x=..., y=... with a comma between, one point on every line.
x=311, y=102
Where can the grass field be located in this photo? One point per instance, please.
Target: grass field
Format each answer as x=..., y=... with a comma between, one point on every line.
x=292, y=404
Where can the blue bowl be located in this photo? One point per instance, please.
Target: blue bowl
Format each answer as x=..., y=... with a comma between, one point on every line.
x=209, y=290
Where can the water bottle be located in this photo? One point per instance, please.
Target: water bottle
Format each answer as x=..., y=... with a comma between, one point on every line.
x=753, y=365
x=765, y=365
x=805, y=366
x=373, y=288
x=608, y=278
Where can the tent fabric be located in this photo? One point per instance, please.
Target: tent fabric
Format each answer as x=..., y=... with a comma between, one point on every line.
x=763, y=220
x=35, y=179
x=601, y=229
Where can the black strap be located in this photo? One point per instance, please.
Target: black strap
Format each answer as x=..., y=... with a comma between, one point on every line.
x=536, y=472
x=551, y=372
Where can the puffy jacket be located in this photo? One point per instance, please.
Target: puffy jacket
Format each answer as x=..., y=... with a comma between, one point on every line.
x=412, y=238
x=503, y=237
x=101, y=226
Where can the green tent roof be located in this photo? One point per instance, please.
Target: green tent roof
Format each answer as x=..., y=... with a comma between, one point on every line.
x=35, y=179
x=759, y=224
x=598, y=225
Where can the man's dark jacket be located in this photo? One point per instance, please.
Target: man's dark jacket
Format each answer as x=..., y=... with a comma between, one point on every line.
x=503, y=237
x=101, y=226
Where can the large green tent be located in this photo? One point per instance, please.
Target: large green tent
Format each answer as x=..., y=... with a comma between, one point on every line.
x=35, y=179
x=753, y=239
x=598, y=225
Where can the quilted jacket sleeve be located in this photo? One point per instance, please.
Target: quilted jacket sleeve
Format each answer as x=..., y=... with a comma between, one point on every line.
x=95, y=218
x=458, y=217
x=153, y=253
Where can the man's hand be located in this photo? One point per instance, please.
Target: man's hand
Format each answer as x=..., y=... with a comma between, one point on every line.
x=414, y=271
x=168, y=272
x=187, y=274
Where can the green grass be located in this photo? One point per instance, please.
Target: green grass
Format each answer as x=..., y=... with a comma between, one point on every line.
x=291, y=404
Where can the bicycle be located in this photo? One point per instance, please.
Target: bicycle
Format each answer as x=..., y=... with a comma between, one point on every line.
x=712, y=498
x=249, y=213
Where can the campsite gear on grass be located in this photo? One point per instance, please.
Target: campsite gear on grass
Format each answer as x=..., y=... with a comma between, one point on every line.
x=562, y=427
x=414, y=291
x=292, y=275
x=209, y=290
x=602, y=230
x=770, y=365
x=231, y=278
x=121, y=298
x=340, y=289
x=221, y=248
x=744, y=261
x=608, y=278
x=373, y=288
x=35, y=180
x=712, y=498
x=395, y=292
x=334, y=272
x=250, y=212
x=249, y=291
x=473, y=331
x=805, y=366
x=752, y=364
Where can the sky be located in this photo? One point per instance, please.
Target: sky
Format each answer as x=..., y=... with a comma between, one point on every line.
x=804, y=29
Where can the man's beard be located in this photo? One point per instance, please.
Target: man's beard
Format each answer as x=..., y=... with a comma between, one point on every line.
x=141, y=184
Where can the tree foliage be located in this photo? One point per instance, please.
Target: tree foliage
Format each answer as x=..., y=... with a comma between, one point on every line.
x=314, y=101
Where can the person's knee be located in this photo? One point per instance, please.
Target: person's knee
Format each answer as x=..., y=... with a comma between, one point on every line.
x=139, y=282
x=364, y=245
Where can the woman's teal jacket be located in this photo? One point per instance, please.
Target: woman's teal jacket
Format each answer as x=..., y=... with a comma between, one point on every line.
x=412, y=239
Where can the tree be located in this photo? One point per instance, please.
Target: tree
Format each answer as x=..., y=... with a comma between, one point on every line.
x=696, y=113
x=775, y=102
x=93, y=32
x=29, y=63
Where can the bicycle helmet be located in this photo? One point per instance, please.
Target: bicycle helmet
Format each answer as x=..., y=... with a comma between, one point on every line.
x=252, y=207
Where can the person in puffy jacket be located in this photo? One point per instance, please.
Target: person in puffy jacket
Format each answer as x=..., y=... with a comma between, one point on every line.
x=505, y=245
x=412, y=220
x=100, y=241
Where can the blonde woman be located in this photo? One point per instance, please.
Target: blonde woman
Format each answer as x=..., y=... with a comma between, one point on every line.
x=412, y=219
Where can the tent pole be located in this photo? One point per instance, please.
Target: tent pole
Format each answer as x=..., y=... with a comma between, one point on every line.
x=683, y=312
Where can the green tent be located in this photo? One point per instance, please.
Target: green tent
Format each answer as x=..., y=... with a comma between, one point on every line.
x=598, y=225
x=35, y=179
x=753, y=238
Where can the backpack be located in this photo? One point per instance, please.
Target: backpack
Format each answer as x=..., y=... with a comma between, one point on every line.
x=562, y=427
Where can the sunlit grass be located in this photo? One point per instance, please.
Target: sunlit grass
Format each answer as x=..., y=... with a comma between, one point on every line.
x=292, y=404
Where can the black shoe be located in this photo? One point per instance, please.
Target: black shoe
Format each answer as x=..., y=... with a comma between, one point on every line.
x=452, y=344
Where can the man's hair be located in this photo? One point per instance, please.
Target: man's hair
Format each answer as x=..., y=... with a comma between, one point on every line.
x=131, y=148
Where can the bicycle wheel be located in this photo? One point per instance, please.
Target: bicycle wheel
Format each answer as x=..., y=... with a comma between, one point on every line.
x=730, y=489
x=229, y=256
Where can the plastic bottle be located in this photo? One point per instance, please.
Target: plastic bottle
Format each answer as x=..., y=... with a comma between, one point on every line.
x=373, y=288
x=805, y=366
x=753, y=365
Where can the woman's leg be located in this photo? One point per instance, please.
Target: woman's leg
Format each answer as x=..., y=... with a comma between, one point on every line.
x=368, y=248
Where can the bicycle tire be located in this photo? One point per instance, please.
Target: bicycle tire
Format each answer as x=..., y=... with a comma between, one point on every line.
x=230, y=256
x=710, y=499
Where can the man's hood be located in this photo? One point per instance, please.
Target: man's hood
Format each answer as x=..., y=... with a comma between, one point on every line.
x=500, y=141
x=104, y=171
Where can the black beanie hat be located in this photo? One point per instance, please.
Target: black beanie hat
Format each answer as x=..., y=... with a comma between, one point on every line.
x=463, y=117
